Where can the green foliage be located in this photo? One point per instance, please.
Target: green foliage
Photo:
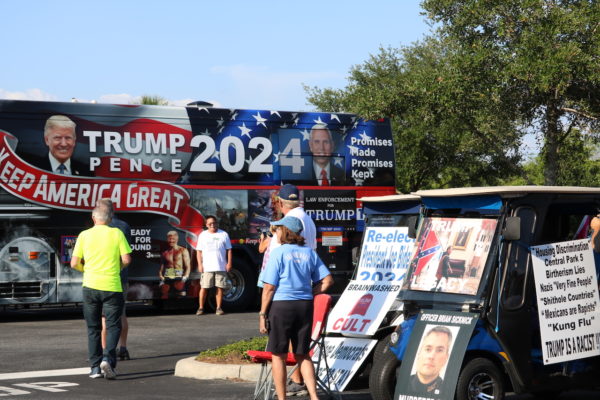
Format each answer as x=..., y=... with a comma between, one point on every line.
x=542, y=55
x=446, y=132
x=234, y=351
x=153, y=100
x=578, y=164
x=462, y=99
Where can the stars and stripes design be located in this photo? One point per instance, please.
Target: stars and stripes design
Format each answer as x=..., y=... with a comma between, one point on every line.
x=281, y=128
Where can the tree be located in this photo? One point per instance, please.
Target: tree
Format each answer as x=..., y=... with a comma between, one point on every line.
x=449, y=128
x=153, y=100
x=578, y=164
x=544, y=55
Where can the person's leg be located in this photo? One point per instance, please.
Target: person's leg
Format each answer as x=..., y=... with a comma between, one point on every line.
x=219, y=298
x=113, y=309
x=279, y=374
x=164, y=291
x=220, y=284
x=124, y=331
x=123, y=353
x=205, y=284
x=103, y=333
x=202, y=297
x=296, y=375
x=179, y=286
x=302, y=328
x=308, y=372
x=92, y=313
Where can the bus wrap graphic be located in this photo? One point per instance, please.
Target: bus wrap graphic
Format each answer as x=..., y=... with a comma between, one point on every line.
x=166, y=168
x=81, y=193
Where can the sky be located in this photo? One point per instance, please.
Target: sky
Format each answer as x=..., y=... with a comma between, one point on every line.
x=234, y=54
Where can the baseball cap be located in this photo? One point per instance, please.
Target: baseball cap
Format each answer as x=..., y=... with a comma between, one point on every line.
x=289, y=192
x=292, y=223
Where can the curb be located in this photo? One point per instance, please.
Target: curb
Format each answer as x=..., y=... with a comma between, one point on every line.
x=190, y=368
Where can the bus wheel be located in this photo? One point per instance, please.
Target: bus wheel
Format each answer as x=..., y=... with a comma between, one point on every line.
x=480, y=379
x=241, y=293
x=382, y=379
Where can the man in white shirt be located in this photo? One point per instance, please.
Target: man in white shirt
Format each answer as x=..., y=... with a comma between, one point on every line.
x=214, y=257
x=289, y=200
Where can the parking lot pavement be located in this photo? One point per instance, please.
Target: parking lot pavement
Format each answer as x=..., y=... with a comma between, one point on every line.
x=34, y=340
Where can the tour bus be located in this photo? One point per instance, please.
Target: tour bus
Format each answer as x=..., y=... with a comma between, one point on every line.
x=167, y=168
x=505, y=280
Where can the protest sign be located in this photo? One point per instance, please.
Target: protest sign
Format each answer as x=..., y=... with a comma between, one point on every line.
x=439, y=339
x=567, y=298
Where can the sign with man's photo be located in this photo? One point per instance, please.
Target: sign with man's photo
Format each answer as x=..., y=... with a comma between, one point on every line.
x=439, y=339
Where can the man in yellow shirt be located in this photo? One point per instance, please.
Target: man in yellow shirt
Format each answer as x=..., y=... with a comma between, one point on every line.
x=104, y=251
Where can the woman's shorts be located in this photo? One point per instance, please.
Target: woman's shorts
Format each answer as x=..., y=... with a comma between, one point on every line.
x=212, y=279
x=290, y=320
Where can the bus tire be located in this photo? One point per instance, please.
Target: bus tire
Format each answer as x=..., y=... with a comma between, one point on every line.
x=382, y=380
x=480, y=378
x=242, y=292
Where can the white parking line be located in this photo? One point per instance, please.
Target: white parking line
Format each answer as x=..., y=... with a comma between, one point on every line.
x=42, y=374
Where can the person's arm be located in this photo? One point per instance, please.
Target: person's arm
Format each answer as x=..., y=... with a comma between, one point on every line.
x=125, y=260
x=229, y=260
x=595, y=226
x=323, y=285
x=264, y=243
x=267, y=297
x=199, y=259
x=76, y=264
x=161, y=270
x=186, y=264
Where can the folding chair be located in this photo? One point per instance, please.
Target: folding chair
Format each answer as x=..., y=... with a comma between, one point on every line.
x=264, y=385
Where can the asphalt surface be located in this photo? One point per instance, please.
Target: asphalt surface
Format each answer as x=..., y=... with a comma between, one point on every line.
x=55, y=339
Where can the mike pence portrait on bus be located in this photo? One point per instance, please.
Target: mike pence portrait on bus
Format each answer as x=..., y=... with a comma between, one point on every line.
x=324, y=169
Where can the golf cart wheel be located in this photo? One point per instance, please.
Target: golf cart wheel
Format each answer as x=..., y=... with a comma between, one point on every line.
x=480, y=379
x=383, y=345
x=382, y=379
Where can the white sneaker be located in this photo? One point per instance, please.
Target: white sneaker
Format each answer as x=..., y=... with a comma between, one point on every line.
x=107, y=370
x=95, y=373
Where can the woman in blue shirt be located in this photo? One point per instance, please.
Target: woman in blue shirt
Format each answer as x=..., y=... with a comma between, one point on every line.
x=293, y=275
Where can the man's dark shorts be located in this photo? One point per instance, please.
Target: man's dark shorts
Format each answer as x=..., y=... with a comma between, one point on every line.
x=290, y=320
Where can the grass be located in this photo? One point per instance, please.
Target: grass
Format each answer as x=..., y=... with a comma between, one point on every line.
x=233, y=353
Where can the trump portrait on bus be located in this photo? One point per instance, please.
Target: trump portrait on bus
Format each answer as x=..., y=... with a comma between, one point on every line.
x=60, y=138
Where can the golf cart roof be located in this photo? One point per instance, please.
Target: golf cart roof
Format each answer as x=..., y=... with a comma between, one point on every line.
x=390, y=197
x=391, y=204
x=506, y=191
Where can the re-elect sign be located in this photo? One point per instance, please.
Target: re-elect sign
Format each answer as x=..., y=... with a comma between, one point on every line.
x=382, y=268
x=384, y=254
